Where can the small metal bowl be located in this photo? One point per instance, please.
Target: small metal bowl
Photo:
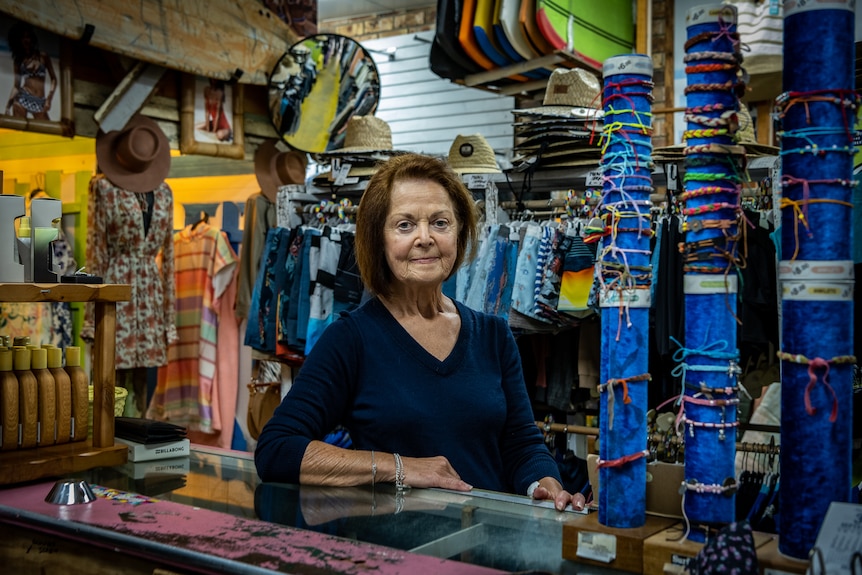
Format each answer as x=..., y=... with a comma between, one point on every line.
x=70, y=492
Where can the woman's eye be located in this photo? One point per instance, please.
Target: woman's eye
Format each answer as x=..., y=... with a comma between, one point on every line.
x=404, y=226
x=441, y=224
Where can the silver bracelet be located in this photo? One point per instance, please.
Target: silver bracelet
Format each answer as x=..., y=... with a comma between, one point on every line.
x=373, y=469
x=399, y=473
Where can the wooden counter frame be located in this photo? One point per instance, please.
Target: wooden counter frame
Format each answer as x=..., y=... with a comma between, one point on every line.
x=58, y=460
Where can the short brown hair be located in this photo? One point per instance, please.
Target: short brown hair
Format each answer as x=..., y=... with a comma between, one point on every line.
x=377, y=200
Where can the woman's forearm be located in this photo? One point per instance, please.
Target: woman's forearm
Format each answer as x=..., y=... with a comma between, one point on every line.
x=325, y=464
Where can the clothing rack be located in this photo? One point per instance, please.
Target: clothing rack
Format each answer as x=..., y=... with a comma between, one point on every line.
x=563, y=428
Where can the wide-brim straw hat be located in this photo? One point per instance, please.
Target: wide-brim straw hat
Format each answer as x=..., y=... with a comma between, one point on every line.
x=472, y=155
x=137, y=157
x=274, y=168
x=571, y=92
x=745, y=135
x=367, y=134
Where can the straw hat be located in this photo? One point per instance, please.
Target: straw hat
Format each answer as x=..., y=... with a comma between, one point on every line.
x=274, y=168
x=472, y=155
x=136, y=158
x=745, y=135
x=571, y=93
x=365, y=134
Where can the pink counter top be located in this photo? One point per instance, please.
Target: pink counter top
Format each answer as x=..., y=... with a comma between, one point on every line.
x=208, y=541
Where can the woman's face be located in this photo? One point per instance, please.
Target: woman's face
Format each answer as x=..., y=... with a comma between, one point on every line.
x=421, y=235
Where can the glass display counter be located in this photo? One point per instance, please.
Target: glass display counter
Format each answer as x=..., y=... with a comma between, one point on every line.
x=481, y=529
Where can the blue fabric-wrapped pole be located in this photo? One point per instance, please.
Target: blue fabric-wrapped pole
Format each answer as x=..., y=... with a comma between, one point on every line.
x=707, y=361
x=817, y=111
x=624, y=273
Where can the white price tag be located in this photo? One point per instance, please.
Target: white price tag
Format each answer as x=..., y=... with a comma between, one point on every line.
x=476, y=181
x=594, y=178
x=671, y=173
x=597, y=546
x=340, y=174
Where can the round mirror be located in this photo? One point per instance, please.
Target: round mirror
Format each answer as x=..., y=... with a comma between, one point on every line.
x=317, y=86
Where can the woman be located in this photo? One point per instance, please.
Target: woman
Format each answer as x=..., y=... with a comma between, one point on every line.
x=431, y=391
x=31, y=66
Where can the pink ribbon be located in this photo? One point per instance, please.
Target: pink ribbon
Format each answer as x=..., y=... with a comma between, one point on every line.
x=812, y=365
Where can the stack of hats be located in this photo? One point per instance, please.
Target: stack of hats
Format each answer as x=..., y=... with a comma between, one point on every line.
x=367, y=141
x=472, y=155
x=566, y=129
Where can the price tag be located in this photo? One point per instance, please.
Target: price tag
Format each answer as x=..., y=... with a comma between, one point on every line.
x=671, y=173
x=597, y=546
x=594, y=178
x=340, y=174
x=476, y=181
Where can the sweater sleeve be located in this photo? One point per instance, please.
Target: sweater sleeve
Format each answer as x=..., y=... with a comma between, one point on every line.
x=525, y=456
x=319, y=399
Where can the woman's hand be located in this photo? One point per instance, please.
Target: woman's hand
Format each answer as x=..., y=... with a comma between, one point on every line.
x=551, y=490
x=432, y=472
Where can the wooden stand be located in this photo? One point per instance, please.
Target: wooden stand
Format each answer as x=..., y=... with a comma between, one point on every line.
x=628, y=543
x=666, y=548
x=769, y=559
x=57, y=460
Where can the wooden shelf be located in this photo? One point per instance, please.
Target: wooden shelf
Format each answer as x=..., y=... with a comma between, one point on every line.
x=486, y=80
x=57, y=460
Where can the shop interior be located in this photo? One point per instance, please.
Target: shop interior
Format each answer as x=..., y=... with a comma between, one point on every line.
x=252, y=144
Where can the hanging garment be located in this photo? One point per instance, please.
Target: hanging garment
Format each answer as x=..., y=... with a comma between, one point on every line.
x=260, y=215
x=121, y=252
x=204, y=265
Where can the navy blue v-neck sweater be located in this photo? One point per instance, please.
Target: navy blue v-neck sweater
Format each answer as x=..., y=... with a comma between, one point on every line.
x=368, y=374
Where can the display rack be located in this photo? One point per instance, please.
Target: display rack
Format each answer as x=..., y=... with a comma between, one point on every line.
x=99, y=451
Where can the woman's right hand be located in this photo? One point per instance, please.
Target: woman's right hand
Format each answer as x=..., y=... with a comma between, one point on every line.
x=432, y=472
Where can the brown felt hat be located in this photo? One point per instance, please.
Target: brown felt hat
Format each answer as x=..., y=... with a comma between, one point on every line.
x=274, y=168
x=136, y=158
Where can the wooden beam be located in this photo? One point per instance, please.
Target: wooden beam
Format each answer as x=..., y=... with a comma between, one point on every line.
x=128, y=97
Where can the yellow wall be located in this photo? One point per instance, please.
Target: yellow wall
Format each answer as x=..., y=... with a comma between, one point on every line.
x=31, y=160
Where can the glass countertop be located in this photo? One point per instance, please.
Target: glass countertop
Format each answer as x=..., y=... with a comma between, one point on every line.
x=501, y=531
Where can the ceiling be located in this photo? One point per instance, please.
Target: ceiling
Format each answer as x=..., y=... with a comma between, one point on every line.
x=337, y=9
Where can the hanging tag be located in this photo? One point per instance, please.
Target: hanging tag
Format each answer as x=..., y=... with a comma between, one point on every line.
x=671, y=172
x=773, y=8
x=340, y=174
x=594, y=178
x=476, y=181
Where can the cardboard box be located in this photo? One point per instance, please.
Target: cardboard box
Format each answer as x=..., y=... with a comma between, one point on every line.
x=587, y=541
x=149, y=452
x=662, y=489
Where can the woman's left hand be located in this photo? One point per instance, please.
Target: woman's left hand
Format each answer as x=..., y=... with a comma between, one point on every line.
x=550, y=489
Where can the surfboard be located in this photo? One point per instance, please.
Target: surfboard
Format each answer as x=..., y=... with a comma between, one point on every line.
x=483, y=29
x=509, y=35
x=467, y=39
x=527, y=21
x=219, y=39
x=593, y=30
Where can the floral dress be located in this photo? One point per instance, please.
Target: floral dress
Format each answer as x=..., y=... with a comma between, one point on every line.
x=122, y=252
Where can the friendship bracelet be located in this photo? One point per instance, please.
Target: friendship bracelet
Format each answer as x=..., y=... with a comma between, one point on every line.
x=712, y=36
x=710, y=402
x=708, y=190
x=714, y=207
x=698, y=225
x=715, y=270
x=399, y=474
x=373, y=469
x=702, y=388
x=818, y=362
x=708, y=177
x=622, y=460
x=729, y=86
x=727, y=117
x=713, y=148
x=799, y=213
x=705, y=133
x=704, y=68
x=815, y=149
x=729, y=487
x=707, y=55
